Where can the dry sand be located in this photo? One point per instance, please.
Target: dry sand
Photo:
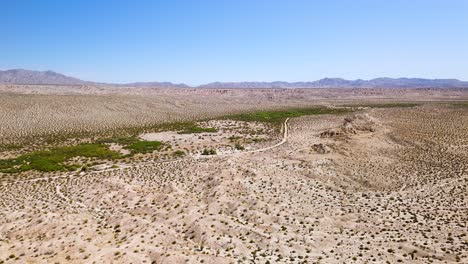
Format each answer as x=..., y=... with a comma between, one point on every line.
x=374, y=186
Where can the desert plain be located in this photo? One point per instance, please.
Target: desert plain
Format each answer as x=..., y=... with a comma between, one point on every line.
x=96, y=174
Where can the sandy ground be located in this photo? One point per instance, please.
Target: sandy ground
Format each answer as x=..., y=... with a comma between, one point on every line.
x=35, y=114
x=380, y=185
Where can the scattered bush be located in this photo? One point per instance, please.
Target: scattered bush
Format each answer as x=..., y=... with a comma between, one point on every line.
x=196, y=129
x=179, y=153
x=209, y=152
x=239, y=146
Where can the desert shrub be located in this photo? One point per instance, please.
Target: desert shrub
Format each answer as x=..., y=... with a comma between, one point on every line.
x=256, y=140
x=144, y=146
x=209, y=152
x=239, y=146
x=196, y=129
x=234, y=138
x=119, y=140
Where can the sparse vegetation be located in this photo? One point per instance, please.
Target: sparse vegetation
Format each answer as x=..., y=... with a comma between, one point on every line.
x=278, y=116
x=179, y=153
x=381, y=192
x=194, y=129
x=124, y=141
x=10, y=147
x=144, y=147
x=460, y=104
x=54, y=159
x=385, y=105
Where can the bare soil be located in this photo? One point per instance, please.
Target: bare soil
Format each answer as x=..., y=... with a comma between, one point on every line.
x=372, y=186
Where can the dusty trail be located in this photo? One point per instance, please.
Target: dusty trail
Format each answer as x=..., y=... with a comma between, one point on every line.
x=285, y=138
x=60, y=194
x=284, y=129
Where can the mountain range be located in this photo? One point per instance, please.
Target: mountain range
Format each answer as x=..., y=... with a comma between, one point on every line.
x=20, y=76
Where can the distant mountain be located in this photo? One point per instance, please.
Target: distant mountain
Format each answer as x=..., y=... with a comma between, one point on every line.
x=156, y=84
x=19, y=76
x=342, y=83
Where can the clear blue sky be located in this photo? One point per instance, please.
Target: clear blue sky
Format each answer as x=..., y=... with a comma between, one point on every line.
x=240, y=40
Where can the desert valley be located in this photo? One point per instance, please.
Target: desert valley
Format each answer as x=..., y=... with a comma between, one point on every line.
x=105, y=174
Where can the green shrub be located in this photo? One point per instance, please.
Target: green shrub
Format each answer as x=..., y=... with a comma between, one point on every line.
x=209, y=152
x=144, y=146
x=239, y=146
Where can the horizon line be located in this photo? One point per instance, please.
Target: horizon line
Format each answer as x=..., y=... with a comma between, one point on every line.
x=233, y=82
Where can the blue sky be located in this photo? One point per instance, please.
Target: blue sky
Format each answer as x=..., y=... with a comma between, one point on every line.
x=240, y=40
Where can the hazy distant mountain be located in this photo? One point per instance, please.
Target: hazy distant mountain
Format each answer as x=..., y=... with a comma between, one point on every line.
x=342, y=83
x=156, y=84
x=19, y=76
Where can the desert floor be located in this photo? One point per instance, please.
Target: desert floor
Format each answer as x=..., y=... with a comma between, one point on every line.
x=377, y=185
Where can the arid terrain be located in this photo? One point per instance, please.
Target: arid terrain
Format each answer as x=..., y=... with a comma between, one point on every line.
x=94, y=174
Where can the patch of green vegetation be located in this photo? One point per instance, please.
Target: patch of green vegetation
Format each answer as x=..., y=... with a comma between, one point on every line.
x=10, y=147
x=256, y=140
x=460, y=104
x=385, y=105
x=196, y=129
x=209, y=152
x=134, y=144
x=144, y=147
x=53, y=159
x=278, y=116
